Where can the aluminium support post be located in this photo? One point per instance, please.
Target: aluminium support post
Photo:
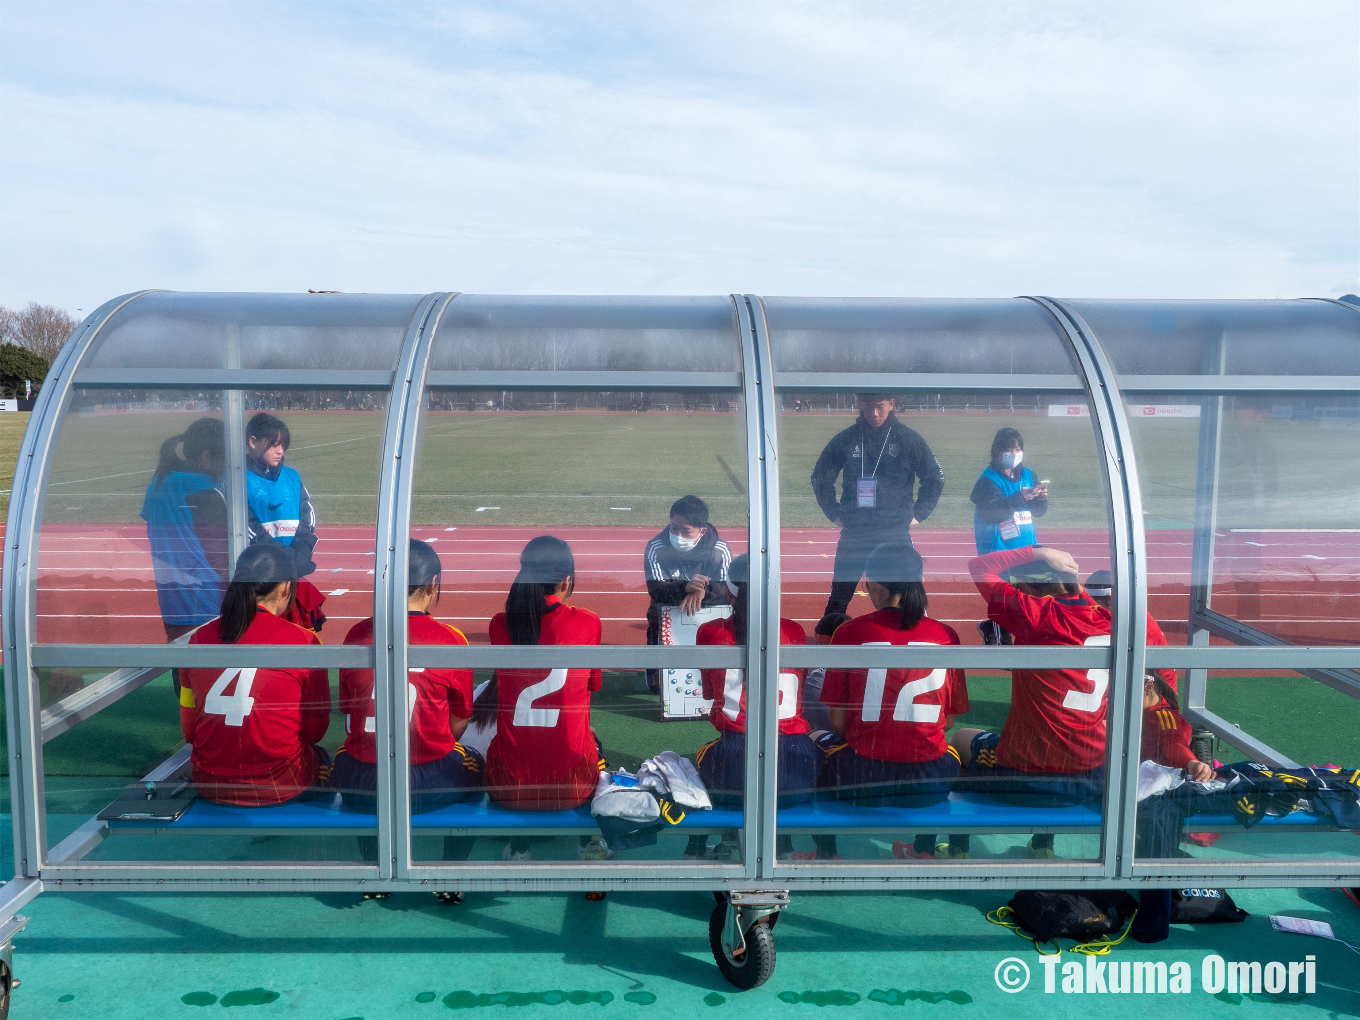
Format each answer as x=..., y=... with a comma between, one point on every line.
x=762, y=632
x=1206, y=524
x=234, y=420
x=390, y=579
x=1129, y=557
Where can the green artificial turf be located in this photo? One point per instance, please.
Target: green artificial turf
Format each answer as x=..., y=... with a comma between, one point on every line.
x=1298, y=716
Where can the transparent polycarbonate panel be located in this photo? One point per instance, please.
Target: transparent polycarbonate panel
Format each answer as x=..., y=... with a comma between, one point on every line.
x=118, y=765
x=1226, y=337
x=851, y=481
x=1281, y=536
x=125, y=558
x=1265, y=809
x=914, y=335
x=577, y=334
x=599, y=471
x=256, y=331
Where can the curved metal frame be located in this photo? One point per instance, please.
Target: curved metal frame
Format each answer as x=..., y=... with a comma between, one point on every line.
x=390, y=656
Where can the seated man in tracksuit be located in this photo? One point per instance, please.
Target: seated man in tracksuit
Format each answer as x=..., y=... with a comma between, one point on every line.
x=280, y=510
x=685, y=565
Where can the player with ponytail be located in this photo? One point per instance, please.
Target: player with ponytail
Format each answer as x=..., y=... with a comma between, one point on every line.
x=890, y=724
x=256, y=730
x=186, y=525
x=544, y=756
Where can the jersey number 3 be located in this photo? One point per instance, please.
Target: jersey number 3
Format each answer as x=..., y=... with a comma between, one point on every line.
x=232, y=707
x=1080, y=701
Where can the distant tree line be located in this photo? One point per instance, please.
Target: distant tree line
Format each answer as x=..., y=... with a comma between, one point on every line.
x=30, y=340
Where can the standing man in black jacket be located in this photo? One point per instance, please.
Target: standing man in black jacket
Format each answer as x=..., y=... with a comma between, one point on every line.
x=685, y=565
x=881, y=460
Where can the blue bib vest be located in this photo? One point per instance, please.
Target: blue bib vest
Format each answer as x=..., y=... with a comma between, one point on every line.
x=189, y=589
x=1013, y=532
x=276, y=503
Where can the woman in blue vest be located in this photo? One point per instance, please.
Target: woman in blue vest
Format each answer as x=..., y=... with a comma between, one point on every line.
x=1007, y=499
x=280, y=507
x=186, y=524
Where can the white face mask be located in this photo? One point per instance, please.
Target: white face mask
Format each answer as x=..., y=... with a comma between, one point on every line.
x=684, y=544
x=1012, y=460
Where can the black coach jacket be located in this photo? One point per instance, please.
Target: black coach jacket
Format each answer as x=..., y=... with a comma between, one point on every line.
x=894, y=454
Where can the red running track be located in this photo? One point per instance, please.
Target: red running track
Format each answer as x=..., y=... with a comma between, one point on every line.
x=95, y=581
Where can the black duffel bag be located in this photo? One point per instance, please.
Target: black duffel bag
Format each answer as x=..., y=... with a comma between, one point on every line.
x=1072, y=915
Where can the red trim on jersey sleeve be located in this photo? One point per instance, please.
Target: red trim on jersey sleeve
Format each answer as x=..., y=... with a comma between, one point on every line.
x=1166, y=736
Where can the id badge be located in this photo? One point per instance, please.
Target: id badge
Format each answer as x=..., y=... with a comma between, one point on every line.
x=1010, y=528
x=867, y=491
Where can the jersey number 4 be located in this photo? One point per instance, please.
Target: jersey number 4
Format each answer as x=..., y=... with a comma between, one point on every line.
x=1080, y=701
x=907, y=709
x=232, y=707
x=525, y=712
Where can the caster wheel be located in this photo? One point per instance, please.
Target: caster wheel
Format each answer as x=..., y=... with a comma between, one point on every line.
x=449, y=897
x=6, y=983
x=753, y=967
x=377, y=895
x=595, y=897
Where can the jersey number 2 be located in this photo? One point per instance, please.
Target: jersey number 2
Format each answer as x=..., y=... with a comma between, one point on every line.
x=1080, y=701
x=232, y=707
x=546, y=718
x=907, y=709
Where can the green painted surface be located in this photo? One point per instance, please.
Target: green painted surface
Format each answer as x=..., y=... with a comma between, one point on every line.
x=332, y=956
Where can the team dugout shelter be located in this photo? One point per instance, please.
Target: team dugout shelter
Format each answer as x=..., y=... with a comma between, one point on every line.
x=1203, y=452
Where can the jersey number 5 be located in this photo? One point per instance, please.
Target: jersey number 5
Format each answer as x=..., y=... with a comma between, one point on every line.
x=1080, y=701
x=907, y=709
x=232, y=707
x=733, y=681
x=526, y=714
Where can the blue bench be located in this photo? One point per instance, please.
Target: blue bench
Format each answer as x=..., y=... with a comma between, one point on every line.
x=961, y=813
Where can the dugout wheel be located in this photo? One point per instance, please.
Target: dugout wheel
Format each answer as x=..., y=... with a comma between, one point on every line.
x=741, y=936
x=8, y=983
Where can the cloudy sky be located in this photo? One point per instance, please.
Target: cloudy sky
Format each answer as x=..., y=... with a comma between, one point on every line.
x=976, y=149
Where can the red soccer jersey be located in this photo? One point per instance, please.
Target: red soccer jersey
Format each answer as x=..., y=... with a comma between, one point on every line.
x=253, y=729
x=896, y=714
x=432, y=695
x=726, y=688
x=544, y=757
x=1166, y=736
x=1057, y=716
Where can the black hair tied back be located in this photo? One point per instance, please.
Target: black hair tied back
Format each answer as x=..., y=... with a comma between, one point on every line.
x=260, y=569
x=543, y=565
x=203, y=436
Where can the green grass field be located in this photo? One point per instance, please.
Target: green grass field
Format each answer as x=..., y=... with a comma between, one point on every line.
x=541, y=468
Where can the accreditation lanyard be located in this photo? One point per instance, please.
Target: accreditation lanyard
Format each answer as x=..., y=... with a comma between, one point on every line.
x=867, y=488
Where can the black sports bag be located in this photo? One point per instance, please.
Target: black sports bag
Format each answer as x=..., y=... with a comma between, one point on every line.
x=1203, y=906
x=1072, y=915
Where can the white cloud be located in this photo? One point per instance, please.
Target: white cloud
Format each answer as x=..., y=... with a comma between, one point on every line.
x=1137, y=149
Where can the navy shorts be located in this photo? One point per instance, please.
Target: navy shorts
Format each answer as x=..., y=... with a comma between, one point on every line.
x=434, y=785
x=848, y=775
x=722, y=767
x=1027, y=789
